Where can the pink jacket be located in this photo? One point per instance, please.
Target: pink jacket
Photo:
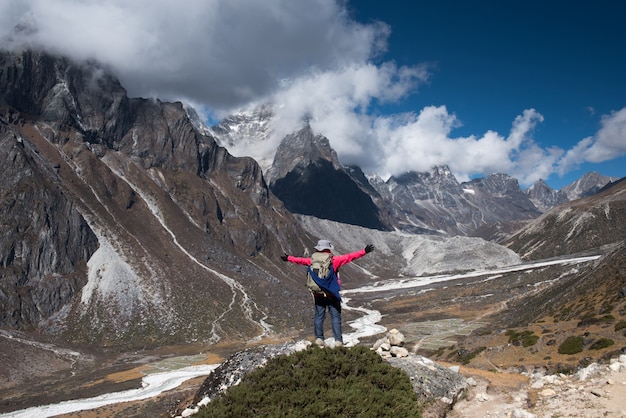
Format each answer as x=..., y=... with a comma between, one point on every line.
x=338, y=260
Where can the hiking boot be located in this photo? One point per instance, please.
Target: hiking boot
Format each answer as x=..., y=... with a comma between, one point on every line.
x=320, y=343
x=338, y=344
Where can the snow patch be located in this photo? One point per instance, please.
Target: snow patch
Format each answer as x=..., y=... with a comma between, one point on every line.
x=578, y=223
x=408, y=283
x=113, y=279
x=109, y=275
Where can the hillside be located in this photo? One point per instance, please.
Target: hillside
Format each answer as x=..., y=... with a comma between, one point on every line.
x=587, y=302
x=574, y=227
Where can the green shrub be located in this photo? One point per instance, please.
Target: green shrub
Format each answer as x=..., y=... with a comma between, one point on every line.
x=601, y=343
x=571, y=345
x=620, y=326
x=317, y=382
x=606, y=309
x=465, y=356
x=525, y=338
x=607, y=318
x=565, y=369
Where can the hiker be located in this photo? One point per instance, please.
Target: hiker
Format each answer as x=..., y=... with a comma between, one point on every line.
x=322, y=281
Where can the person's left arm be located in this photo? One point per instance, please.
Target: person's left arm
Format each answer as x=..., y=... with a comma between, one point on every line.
x=340, y=260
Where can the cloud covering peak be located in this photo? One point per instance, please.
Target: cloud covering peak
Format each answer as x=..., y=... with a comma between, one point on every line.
x=310, y=58
x=219, y=53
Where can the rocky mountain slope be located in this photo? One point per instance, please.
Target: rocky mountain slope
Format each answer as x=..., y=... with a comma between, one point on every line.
x=577, y=226
x=307, y=177
x=593, y=224
x=589, y=184
x=438, y=201
x=545, y=197
x=126, y=225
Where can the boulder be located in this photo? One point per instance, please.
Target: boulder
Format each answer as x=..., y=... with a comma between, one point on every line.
x=230, y=372
x=399, y=351
x=396, y=338
x=430, y=380
x=437, y=387
x=391, y=345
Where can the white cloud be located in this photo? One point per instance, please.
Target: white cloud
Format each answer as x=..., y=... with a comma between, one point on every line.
x=337, y=103
x=219, y=52
x=392, y=145
x=425, y=140
x=608, y=143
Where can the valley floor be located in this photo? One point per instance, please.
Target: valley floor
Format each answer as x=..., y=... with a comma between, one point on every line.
x=437, y=319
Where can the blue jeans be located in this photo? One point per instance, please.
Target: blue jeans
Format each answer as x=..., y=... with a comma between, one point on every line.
x=334, y=307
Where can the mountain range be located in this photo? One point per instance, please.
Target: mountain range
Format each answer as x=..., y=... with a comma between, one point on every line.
x=128, y=223
x=432, y=202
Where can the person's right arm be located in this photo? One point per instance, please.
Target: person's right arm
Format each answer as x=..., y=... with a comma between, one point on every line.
x=340, y=260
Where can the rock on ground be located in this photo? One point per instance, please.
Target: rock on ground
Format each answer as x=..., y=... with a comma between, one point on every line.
x=595, y=391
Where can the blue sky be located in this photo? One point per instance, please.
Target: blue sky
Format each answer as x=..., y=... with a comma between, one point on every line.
x=533, y=89
x=493, y=59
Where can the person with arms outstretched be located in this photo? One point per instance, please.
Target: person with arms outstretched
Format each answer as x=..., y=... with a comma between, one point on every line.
x=323, y=282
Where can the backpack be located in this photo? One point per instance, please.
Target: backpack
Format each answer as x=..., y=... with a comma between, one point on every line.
x=322, y=267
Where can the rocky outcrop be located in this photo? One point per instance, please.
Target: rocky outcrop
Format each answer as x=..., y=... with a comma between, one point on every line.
x=437, y=387
x=46, y=242
x=63, y=94
x=545, y=197
x=241, y=363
